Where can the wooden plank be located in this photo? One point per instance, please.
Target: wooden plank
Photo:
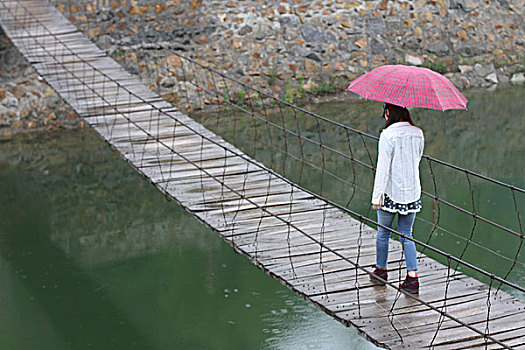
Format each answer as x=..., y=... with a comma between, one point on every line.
x=454, y=332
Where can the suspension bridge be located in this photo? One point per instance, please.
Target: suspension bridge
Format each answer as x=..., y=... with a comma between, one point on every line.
x=319, y=248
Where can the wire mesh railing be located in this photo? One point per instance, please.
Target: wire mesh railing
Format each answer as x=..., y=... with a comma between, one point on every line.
x=307, y=151
x=276, y=124
x=307, y=139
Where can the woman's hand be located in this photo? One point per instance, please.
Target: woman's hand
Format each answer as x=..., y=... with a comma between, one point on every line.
x=376, y=206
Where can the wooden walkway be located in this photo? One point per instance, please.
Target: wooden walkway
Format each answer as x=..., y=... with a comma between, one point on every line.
x=302, y=241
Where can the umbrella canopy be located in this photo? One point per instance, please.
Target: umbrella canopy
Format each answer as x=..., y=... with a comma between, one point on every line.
x=408, y=86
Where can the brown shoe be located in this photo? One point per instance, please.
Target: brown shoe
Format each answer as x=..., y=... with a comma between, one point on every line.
x=410, y=285
x=381, y=274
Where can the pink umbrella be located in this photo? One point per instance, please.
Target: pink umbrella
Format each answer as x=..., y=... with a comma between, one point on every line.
x=408, y=86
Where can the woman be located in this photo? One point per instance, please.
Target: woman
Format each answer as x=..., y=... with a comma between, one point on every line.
x=397, y=190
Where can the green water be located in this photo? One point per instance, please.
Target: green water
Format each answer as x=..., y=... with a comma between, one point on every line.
x=92, y=256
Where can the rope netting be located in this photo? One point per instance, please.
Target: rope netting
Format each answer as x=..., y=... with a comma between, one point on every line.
x=336, y=162
x=340, y=159
x=306, y=156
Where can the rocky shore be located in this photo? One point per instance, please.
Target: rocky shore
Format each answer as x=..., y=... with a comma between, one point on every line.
x=294, y=49
x=274, y=44
x=27, y=103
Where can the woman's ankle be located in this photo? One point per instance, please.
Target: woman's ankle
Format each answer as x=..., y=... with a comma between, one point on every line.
x=412, y=274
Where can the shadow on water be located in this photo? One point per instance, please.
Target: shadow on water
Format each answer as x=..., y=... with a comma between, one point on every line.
x=82, y=313
x=93, y=256
x=54, y=281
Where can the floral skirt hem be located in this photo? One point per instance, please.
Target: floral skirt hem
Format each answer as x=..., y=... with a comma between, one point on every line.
x=392, y=207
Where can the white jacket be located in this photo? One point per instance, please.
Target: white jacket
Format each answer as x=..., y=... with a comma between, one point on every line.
x=397, y=174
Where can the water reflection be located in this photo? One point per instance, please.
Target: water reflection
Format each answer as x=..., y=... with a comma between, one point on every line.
x=93, y=256
x=301, y=329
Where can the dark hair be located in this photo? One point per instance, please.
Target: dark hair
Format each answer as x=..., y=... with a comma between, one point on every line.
x=396, y=114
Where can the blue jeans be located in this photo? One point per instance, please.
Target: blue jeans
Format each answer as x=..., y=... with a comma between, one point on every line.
x=404, y=226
